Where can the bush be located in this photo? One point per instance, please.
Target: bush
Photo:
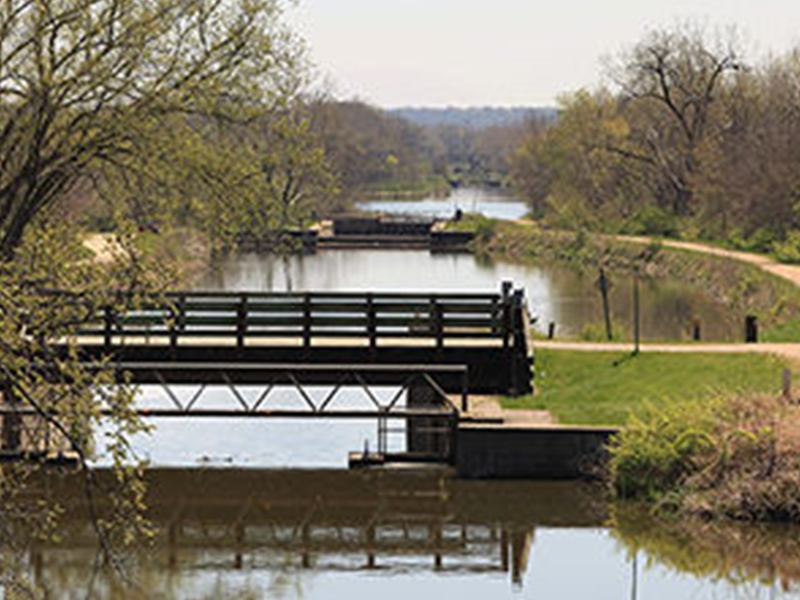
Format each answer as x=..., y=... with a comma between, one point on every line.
x=653, y=455
x=788, y=250
x=761, y=240
x=652, y=220
x=734, y=459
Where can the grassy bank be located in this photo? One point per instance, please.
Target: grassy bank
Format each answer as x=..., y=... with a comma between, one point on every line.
x=701, y=434
x=606, y=388
x=739, y=287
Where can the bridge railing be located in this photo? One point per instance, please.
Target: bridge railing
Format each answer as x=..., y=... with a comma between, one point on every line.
x=312, y=315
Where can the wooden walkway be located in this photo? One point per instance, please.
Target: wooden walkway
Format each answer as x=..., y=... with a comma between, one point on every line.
x=487, y=333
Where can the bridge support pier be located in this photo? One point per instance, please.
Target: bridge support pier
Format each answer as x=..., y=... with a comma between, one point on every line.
x=428, y=435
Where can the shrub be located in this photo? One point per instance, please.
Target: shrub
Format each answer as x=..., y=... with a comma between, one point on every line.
x=735, y=459
x=653, y=455
x=652, y=220
x=788, y=250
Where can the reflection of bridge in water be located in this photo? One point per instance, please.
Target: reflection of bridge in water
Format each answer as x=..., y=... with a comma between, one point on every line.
x=338, y=521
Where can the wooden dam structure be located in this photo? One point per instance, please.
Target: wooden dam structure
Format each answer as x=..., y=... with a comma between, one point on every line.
x=432, y=349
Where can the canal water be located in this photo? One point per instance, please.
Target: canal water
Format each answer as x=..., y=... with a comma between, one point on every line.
x=262, y=509
x=490, y=203
x=249, y=534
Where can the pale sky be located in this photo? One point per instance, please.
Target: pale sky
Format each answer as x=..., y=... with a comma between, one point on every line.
x=504, y=52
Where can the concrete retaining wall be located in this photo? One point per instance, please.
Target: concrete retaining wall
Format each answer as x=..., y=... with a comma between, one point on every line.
x=547, y=452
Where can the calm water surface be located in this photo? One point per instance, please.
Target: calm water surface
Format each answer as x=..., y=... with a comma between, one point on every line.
x=336, y=534
x=493, y=204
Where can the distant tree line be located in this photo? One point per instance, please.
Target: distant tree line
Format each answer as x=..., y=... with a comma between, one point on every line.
x=688, y=139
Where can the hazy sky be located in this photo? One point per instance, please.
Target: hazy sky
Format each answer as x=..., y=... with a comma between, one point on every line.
x=504, y=52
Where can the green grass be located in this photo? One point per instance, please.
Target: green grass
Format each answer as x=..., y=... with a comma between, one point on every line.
x=604, y=388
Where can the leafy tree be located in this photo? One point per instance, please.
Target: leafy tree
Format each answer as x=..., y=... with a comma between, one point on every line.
x=85, y=83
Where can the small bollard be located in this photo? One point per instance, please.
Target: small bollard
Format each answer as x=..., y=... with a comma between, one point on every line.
x=750, y=329
x=696, y=332
x=551, y=331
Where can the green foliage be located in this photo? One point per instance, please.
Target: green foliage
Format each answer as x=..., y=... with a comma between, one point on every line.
x=653, y=220
x=654, y=453
x=761, y=240
x=788, y=250
x=125, y=103
x=47, y=293
x=735, y=458
x=593, y=332
x=656, y=153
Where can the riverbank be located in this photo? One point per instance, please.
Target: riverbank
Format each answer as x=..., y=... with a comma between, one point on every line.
x=743, y=284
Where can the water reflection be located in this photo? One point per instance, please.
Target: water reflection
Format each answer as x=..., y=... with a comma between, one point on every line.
x=746, y=555
x=330, y=534
x=556, y=293
x=302, y=523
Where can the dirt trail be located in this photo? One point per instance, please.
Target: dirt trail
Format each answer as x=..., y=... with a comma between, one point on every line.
x=788, y=351
x=104, y=246
x=765, y=263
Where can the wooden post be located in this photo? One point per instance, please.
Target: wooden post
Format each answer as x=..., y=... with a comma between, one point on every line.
x=241, y=321
x=465, y=392
x=605, y=285
x=108, y=329
x=438, y=323
x=551, y=331
x=506, y=301
x=696, y=332
x=505, y=289
x=517, y=321
x=177, y=322
x=751, y=329
x=518, y=332
x=307, y=320
x=372, y=326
